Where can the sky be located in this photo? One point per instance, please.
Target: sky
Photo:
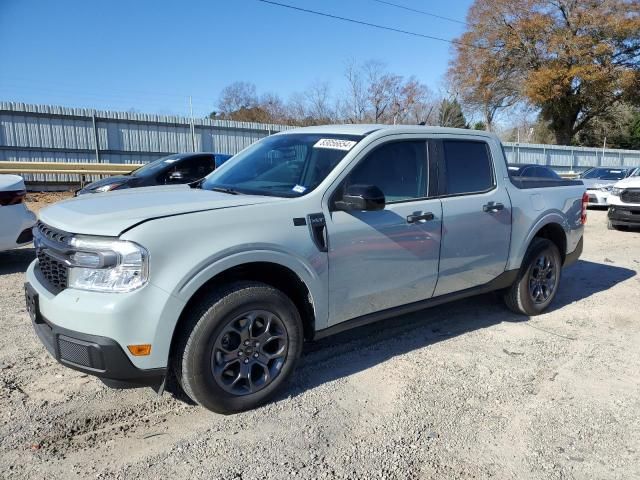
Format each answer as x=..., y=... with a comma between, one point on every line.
x=151, y=55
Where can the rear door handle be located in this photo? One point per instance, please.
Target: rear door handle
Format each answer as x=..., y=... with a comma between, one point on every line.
x=492, y=207
x=416, y=217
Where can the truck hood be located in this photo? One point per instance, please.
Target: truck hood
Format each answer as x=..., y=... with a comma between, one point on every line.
x=112, y=213
x=107, y=181
x=629, y=182
x=595, y=183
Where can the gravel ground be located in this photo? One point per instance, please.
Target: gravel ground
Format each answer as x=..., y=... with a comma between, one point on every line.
x=465, y=390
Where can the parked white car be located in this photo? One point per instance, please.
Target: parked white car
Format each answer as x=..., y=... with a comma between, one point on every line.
x=624, y=202
x=15, y=218
x=599, y=182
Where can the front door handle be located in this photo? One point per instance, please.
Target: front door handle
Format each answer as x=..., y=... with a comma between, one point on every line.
x=492, y=207
x=416, y=217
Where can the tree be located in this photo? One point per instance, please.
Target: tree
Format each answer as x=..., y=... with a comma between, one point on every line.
x=634, y=133
x=450, y=114
x=485, y=84
x=319, y=100
x=356, y=98
x=382, y=89
x=619, y=129
x=376, y=95
x=572, y=59
x=275, y=108
x=237, y=96
x=373, y=94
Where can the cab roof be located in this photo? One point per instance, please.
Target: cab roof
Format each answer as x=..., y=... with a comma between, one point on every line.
x=363, y=129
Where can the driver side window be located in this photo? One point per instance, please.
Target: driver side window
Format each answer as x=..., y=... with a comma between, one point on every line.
x=399, y=169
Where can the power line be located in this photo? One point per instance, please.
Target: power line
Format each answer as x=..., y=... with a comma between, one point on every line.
x=374, y=25
x=422, y=12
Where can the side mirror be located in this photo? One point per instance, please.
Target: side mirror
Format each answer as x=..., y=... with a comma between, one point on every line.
x=361, y=197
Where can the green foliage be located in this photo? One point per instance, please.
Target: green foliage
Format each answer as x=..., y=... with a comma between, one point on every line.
x=450, y=114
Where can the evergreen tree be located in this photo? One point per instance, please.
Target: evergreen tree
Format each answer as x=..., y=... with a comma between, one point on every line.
x=450, y=114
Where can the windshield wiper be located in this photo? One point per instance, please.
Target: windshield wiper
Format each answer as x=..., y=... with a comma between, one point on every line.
x=230, y=191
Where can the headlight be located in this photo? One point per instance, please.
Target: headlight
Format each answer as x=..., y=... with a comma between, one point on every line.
x=616, y=191
x=107, y=188
x=107, y=265
x=606, y=188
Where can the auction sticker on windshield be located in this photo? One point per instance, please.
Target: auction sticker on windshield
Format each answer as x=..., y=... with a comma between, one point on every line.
x=335, y=144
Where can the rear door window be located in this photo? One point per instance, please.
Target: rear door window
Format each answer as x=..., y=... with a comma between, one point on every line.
x=467, y=167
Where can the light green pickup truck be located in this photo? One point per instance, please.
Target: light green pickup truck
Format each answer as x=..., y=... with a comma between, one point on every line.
x=303, y=234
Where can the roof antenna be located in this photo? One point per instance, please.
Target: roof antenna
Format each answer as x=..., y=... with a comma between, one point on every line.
x=422, y=124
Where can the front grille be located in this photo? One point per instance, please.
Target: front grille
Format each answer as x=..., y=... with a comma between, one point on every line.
x=52, y=234
x=630, y=196
x=52, y=247
x=74, y=352
x=54, y=271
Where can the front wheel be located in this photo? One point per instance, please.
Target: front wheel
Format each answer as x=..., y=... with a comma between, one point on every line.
x=538, y=279
x=238, y=347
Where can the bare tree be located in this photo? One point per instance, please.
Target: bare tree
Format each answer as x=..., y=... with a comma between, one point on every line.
x=383, y=90
x=319, y=102
x=354, y=105
x=372, y=94
x=237, y=96
x=275, y=108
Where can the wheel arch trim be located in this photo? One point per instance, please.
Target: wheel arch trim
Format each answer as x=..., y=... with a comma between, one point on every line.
x=546, y=220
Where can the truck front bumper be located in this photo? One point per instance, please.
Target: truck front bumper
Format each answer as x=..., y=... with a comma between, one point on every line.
x=92, y=354
x=624, y=215
x=90, y=331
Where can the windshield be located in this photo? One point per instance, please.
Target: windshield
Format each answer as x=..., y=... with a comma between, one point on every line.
x=606, y=173
x=156, y=166
x=286, y=165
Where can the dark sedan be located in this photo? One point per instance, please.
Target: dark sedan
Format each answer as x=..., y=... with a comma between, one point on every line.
x=170, y=170
x=532, y=170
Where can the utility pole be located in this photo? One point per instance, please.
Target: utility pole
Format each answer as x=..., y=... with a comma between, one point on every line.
x=193, y=127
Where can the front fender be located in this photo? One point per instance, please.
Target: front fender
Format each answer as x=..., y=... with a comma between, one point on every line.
x=311, y=275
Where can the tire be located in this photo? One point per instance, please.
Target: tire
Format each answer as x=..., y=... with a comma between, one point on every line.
x=238, y=347
x=535, y=287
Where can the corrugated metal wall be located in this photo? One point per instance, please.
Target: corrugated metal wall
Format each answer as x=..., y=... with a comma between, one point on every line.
x=43, y=133
x=570, y=158
x=58, y=134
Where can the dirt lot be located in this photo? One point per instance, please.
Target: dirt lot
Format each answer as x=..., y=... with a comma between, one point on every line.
x=466, y=390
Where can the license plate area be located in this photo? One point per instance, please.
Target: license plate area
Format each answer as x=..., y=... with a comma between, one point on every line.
x=31, y=302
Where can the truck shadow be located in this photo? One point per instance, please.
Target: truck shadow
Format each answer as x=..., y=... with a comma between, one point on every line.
x=16, y=261
x=357, y=350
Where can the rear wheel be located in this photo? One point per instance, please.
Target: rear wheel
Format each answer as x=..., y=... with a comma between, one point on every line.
x=238, y=347
x=538, y=279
